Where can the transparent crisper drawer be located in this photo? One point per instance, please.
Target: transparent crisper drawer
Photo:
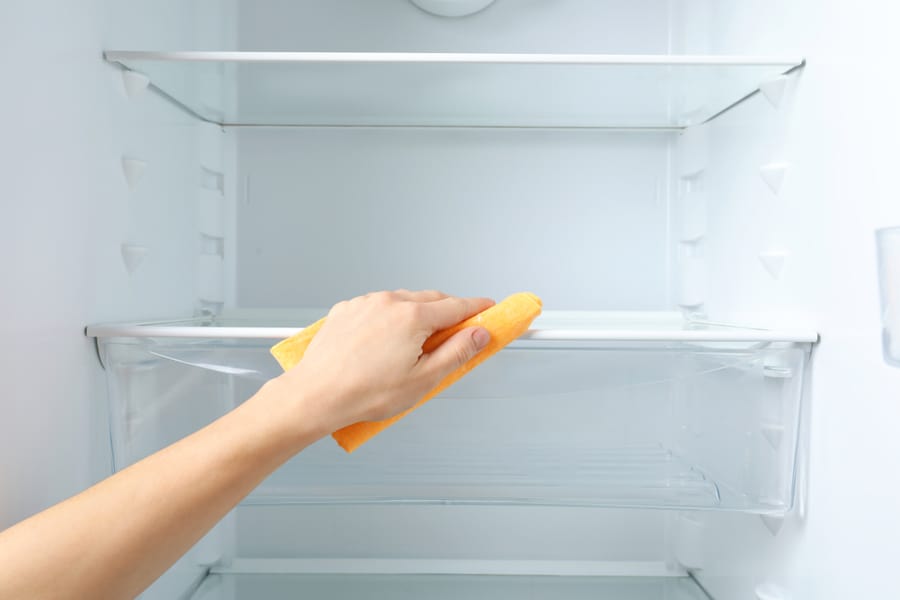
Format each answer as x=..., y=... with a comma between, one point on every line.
x=584, y=411
x=440, y=587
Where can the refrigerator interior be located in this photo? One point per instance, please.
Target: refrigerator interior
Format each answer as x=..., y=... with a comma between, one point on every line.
x=680, y=225
x=583, y=182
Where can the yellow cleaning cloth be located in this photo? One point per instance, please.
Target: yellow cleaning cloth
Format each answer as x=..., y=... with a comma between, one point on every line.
x=505, y=321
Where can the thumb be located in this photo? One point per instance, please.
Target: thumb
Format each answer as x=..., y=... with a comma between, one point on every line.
x=456, y=352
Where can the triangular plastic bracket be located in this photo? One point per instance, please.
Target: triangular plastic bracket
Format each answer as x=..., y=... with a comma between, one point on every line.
x=773, y=263
x=135, y=83
x=133, y=256
x=773, y=174
x=769, y=591
x=133, y=169
x=773, y=90
x=772, y=523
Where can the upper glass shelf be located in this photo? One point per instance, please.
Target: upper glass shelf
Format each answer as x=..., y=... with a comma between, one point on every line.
x=454, y=89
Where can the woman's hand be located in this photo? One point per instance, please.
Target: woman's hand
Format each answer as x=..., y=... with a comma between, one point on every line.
x=367, y=364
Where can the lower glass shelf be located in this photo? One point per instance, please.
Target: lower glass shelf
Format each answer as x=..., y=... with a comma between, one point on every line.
x=585, y=410
x=521, y=474
x=443, y=587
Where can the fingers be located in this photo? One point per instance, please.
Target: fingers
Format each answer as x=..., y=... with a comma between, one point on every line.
x=420, y=296
x=449, y=311
x=455, y=352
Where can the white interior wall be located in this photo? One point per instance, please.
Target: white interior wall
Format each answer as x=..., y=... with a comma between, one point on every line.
x=494, y=533
x=638, y=26
x=67, y=211
x=838, y=135
x=580, y=218
x=551, y=211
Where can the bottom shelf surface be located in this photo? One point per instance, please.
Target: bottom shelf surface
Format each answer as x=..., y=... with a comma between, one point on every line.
x=231, y=586
x=535, y=474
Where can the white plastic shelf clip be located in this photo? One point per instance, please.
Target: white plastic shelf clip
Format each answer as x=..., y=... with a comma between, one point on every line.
x=133, y=256
x=773, y=262
x=773, y=174
x=773, y=90
x=133, y=170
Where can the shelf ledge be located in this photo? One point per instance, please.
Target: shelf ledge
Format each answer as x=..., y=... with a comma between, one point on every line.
x=699, y=60
x=551, y=327
x=646, y=92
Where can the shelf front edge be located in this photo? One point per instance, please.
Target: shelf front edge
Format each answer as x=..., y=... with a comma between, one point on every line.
x=122, y=56
x=533, y=335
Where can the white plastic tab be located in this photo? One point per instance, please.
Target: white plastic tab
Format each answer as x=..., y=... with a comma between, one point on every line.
x=770, y=591
x=212, y=180
x=773, y=523
x=210, y=308
x=773, y=263
x=773, y=432
x=211, y=215
x=133, y=256
x=212, y=245
x=773, y=174
x=773, y=90
x=135, y=83
x=133, y=169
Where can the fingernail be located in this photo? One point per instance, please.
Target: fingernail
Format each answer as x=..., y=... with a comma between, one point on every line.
x=481, y=337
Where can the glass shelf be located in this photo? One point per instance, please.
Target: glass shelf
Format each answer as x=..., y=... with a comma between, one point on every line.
x=587, y=409
x=447, y=89
x=441, y=587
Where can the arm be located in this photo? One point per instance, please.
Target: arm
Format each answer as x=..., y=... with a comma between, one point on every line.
x=117, y=537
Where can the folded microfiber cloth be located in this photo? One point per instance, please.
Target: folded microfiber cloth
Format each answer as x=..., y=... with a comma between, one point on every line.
x=505, y=321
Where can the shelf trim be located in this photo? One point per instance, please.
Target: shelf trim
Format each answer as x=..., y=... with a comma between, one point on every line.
x=532, y=335
x=325, y=566
x=121, y=56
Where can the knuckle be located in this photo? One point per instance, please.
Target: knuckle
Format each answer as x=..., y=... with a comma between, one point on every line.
x=383, y=297
x=460, y=309
x=412, y=312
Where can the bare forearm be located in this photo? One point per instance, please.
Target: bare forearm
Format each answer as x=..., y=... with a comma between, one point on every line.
x=120, y=535
x=366, y=362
